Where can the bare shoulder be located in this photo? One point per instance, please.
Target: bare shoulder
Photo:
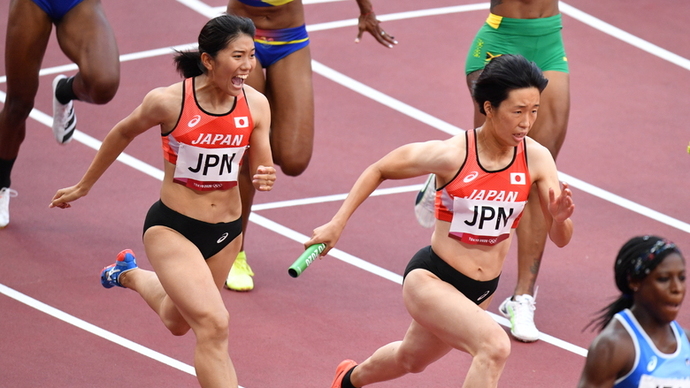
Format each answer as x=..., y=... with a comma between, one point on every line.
x=447, y=155
x=258, y=106
x=254, y=97
x=611, y=355
x=455, y=143
x=613, y=348
x=539, y=158
x=447, y=149
x=165, y=96
x=536, y=149
x=163, y=105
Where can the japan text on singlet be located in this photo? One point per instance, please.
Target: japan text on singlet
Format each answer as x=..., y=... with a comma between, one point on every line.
x=483, y=206
x=206, y=148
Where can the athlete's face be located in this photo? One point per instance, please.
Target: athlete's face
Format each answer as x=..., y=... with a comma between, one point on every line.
x=232, y=65
x=515, y=115
x=661, y=292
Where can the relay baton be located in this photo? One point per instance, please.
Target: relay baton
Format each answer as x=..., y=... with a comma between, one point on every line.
x=305, y=259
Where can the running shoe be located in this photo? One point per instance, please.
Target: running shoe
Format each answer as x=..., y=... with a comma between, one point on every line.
x=64, y=119
x=520, y=310
x=125, y=262
x=424, y=203
x=240, y=276
x=5, y=194
x=340, y=372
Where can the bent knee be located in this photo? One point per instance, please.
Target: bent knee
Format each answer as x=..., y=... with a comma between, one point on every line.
x=495, y=350
x=177, y=327
x=502, y=351
x=179, y=330
x=293, y=157
x=102, y=90
x=214, y=326
x=18, y=108
x=294, y=166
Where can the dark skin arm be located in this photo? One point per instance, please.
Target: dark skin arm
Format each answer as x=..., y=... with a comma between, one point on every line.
x=611, y=355
x=369, y=23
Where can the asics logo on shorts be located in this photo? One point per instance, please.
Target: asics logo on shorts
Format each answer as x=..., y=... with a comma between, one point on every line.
x=483, y=296
x=223, y=237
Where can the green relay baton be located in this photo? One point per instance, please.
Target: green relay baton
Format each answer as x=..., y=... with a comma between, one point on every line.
x=305, y=259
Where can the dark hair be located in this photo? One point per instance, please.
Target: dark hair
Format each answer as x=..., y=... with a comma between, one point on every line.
x=216, y=34
x=636, y=259
x=504, y=74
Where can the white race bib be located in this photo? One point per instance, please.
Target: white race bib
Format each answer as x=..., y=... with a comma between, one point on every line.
x=483, y=222
x=208, y=164
x=647, y=381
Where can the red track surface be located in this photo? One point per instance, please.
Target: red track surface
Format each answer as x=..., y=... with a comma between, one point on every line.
x=627, y=136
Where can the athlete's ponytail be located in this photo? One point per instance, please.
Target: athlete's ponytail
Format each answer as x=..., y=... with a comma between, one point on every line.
x=214, y=37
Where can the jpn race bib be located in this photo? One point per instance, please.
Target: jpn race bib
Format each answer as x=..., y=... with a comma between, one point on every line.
x=483, y=222
x=208, y=168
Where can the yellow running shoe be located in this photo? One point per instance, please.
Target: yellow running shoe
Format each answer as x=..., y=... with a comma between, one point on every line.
x=240, y=276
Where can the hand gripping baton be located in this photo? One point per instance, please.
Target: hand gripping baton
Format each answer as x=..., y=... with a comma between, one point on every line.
x=305, y=259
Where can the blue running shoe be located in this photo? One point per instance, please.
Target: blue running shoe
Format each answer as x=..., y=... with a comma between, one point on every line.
x=110, y=275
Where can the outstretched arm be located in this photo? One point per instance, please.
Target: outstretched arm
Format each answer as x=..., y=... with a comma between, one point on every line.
x=407, y=161
x=330, y=233
x=369, y=22
x=148, y=114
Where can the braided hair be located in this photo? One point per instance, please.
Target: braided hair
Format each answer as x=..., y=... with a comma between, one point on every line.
x=636, y=259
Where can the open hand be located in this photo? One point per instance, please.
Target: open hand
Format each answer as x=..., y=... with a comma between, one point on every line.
x=561, y=208
x=368, y=22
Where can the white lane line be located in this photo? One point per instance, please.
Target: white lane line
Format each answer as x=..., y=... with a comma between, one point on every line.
x=388, y=101
x=72, y=320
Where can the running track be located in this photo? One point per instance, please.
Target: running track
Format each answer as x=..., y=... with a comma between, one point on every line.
x=625, y=157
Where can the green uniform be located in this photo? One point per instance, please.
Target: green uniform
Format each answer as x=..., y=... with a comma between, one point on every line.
x=538, y=40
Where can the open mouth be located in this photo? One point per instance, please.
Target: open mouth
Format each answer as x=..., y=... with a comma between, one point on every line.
x=239, y=80
x=519, y=136
x=674, y=307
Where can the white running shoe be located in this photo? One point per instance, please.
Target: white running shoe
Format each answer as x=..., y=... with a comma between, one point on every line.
x=520, y=311
x=5, y=194
x=64, y=119
x=424, y=203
